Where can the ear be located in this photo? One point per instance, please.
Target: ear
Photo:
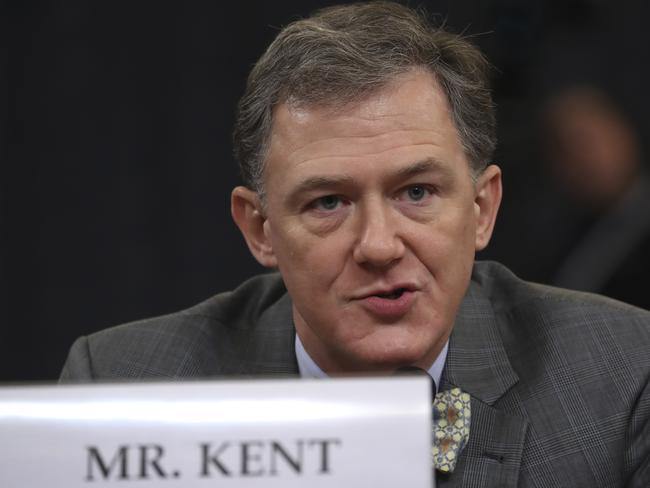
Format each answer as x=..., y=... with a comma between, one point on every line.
x=486, y=204
x=247, y=212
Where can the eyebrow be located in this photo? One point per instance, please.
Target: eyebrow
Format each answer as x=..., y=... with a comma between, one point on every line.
x=425, y=166
x=314, y=183
x=319, y=182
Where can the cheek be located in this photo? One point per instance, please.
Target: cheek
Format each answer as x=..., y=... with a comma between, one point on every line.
x=447, y=247
x=307, y=261
x=466, y=222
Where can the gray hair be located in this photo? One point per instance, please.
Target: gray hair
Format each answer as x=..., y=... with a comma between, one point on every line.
x=346, y=53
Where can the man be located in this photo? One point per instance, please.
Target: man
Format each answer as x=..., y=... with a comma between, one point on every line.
x=364, y=138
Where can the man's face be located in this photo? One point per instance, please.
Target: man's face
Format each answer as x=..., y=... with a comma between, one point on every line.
x=372, y=219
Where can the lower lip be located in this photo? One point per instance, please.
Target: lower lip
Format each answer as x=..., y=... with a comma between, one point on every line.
x=389, y=309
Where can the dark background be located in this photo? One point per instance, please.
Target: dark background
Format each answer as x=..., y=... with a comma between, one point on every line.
x=115, y=152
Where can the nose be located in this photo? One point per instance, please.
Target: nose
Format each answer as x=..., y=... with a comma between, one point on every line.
x=378, y=243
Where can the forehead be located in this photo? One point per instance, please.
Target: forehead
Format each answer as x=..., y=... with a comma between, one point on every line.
x=409, y=115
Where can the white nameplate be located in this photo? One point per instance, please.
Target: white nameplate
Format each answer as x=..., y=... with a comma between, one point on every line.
x=287, y=433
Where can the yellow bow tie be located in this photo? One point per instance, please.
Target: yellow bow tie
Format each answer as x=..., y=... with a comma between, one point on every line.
x=451, y=419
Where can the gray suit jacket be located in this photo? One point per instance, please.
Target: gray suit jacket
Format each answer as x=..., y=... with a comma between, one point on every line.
x=559, y=380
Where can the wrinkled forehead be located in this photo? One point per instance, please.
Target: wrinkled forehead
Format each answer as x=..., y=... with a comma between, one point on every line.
x=405, y=123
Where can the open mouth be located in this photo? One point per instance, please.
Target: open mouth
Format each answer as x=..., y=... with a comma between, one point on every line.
x=389, y=305
x=393, y=295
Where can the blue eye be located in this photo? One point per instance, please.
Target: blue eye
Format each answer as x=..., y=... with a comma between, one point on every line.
x=416, y=192
x=328, y=202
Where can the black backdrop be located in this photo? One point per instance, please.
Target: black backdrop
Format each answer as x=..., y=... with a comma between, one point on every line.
x=116, y=163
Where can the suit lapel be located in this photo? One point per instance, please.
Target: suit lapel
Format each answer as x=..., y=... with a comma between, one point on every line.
x=478, y=364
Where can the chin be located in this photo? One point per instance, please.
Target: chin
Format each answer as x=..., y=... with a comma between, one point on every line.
x=390, y=358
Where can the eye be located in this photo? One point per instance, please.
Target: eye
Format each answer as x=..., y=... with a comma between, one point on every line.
x=415, y=193
x=327, y=203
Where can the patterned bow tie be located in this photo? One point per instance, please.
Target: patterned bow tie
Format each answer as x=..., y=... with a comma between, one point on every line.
x=451, y=419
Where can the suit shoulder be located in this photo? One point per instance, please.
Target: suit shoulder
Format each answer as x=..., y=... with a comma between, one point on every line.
x=555, y=333
x=192, y=342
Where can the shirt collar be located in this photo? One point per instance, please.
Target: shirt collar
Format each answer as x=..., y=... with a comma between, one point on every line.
x=309, y=369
